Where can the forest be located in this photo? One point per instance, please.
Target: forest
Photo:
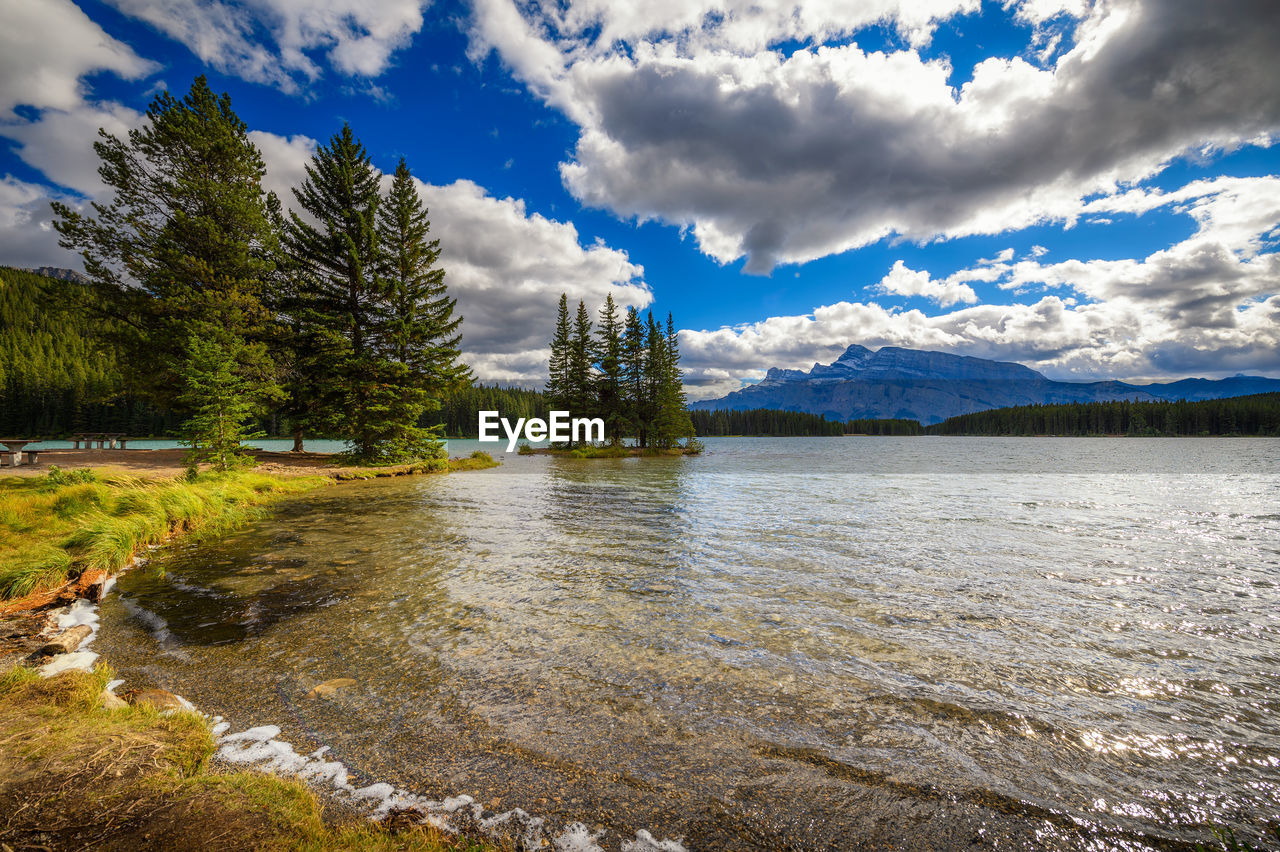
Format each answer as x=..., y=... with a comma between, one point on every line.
x=208, y=311
x=626, y=372
x=763, y=422
x=1258, y=414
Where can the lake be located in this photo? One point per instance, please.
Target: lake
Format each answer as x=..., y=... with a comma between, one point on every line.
x=828, y=643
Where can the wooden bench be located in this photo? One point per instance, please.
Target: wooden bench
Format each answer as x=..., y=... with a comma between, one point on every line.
x=106, y=440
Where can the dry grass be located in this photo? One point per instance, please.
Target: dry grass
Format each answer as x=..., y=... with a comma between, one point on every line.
x=73, y=775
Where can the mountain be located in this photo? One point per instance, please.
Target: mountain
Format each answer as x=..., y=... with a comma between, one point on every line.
x=59, y=273
x=914, y=384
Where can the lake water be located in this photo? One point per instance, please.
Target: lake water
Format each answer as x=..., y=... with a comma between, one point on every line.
x=831, y=643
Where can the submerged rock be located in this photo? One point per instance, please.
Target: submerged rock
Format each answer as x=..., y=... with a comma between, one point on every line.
x=160, y=699
x=329, y=687
x=111, y=701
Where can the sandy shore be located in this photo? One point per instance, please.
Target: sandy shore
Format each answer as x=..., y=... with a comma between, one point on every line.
x=170, y=462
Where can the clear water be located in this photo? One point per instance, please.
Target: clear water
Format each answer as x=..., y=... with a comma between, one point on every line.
x=922, y=643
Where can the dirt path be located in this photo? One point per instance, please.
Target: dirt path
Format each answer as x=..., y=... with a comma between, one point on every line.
x=170, y=462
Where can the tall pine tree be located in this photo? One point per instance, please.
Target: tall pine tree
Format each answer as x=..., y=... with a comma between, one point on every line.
x=184, y=247
x=421, y=335
x=671, y=414
x=610, y=383
x=558, y=394
x=634, y=355
x=340, y=303
x=581, y=366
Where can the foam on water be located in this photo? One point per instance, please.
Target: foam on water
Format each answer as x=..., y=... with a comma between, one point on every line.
x=81, y=612
x=259, y=748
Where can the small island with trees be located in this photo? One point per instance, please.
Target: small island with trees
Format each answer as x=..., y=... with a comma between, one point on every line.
x=627, y=373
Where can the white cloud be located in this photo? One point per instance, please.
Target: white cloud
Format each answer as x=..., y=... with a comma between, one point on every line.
x=27, y=237
x=47, y=47
x=901, y=280
x=506, y=266
x=60, y=142
x=787, y=158
x=1209, y=305
x=276, y=41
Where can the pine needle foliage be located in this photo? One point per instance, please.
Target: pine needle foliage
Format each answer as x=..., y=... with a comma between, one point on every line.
x=627, y=373
x=185, y=245
x=219, y=400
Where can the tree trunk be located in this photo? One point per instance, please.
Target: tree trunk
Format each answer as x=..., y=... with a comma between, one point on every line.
x=297, y=439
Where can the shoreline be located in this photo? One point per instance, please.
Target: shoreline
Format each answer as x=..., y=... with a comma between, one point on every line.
x=376, y=815
x=45, y=655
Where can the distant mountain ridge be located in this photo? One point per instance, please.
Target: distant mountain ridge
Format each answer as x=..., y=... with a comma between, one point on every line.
x=915, y=384
x=59, y=273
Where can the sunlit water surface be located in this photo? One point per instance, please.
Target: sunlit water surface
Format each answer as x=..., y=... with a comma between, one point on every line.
x=784, y=643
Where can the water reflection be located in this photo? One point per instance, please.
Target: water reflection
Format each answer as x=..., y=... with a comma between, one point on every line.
x=769, y=646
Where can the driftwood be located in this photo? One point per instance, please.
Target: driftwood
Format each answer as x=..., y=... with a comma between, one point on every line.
x=65, y=642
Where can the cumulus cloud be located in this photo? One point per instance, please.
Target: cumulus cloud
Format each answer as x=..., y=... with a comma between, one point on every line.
x=275, y=41
x=60, y=142
x=1209, y=305
x=506, y=266
x=47, y=47
x=27, y=237
x=901, y=280
x=786, y=158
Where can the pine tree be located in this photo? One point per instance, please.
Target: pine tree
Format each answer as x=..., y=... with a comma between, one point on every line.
x=609, y=388
x=671, y=416
x=422, y=335
x=581, y=373
x=341, y=303
x=634, y=356
x=219, y=401
x=558, y=393
x=655, y=366
x=185, y=245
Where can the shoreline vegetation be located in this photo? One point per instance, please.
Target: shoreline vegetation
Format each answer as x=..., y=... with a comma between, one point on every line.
x=610, y=451
x=78, y=527
x=84, y=768
x=1256, y=415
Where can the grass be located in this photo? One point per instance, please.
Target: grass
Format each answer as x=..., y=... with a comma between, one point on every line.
x=610, y=451
x=75, y=774
x=60, y=525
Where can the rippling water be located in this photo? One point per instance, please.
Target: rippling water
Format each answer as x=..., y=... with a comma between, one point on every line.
x=784, y=643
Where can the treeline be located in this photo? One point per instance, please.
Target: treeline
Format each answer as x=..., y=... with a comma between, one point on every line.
x=1258, y=414
x=626, y=371
x=221, y=308
x=56, y=375
x=894, y=426
x=459, y=410
x=763, y=422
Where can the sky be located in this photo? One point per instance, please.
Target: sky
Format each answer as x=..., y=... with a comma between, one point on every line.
x=1087, y=187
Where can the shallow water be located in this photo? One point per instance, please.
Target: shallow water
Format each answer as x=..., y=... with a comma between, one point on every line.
x=784, y=643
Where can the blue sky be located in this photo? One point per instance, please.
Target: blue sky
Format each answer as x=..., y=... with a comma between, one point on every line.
x=1084, y=187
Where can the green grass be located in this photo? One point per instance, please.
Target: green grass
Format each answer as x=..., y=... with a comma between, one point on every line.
x=610, y=451
x=57, y=526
